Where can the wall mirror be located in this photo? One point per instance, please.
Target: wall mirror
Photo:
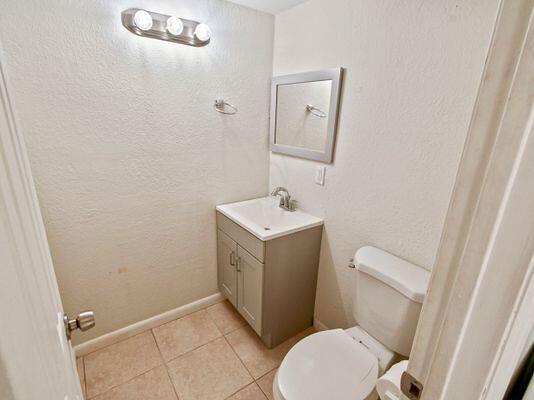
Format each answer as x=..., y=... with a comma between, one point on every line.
x=304, y=109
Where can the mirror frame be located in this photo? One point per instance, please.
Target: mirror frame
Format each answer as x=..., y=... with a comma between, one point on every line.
x=333, y=74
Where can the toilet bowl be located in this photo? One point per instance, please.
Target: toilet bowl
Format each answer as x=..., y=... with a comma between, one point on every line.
x=328, y=365
x=346, y=364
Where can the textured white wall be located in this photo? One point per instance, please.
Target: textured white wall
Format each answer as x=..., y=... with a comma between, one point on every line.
x=270, y=6
x=128, y=154
x=412, y=74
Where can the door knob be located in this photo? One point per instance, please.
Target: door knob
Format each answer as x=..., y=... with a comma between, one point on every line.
x=84, y=321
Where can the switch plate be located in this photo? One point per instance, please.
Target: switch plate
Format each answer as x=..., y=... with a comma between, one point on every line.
x=320, y=173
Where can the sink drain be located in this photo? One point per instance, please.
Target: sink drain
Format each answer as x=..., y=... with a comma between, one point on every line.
x=266, y=229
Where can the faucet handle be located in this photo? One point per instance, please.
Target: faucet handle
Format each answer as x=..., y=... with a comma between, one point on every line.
x=277, y=190
x=292, y=205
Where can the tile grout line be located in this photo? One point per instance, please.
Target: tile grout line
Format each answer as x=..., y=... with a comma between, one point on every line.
x=114, y=343
x=165, y=323
x=262, y=375
x=132, y=378
x=205, y=344
x=193, y=349
x=176, y=319
x=84, y=379
x=233, y=330
x=190, y=351
x=268, y=372
x=125, y=382
x=263, y=391
x=140, y=333
x=165, y=365
x=239, y=358
x=244, y=387
x=275, y=368
x=165, y=362
x=222, y=336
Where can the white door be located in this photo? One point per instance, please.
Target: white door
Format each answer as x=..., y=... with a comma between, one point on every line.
x=226, y=251
x=250, y=288
x=479, y=309
x=36, y=359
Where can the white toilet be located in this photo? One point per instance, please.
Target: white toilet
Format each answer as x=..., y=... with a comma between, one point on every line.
x=345, y=364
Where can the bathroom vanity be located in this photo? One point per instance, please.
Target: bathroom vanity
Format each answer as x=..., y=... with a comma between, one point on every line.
x=267, y=265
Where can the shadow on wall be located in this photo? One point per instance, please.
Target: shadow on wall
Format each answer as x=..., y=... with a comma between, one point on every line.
x=329, y=290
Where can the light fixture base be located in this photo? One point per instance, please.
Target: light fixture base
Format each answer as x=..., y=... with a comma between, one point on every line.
x=159, y=28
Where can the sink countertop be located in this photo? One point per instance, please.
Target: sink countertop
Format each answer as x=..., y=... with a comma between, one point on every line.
x=264, y=219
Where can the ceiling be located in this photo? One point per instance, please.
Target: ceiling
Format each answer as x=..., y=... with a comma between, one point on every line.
x=269, y=6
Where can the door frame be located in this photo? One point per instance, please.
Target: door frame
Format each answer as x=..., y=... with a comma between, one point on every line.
x=460, y=350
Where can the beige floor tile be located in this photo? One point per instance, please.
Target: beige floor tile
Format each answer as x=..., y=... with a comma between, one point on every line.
x=251, y=392
x=81, y=373
x=152, y=385
x=266, y=384
x=185, y=334
x=120, y=362
x=307, y=332
x=255, y=355
x=211, y=372
x=226, y=317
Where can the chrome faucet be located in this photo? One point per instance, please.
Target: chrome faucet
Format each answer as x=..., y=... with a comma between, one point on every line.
x=285, y=199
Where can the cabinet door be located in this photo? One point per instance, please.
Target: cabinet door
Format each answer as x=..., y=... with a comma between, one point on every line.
x=227, y=276
x=250, y=288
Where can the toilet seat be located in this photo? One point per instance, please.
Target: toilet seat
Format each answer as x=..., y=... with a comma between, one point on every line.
x=327, y=365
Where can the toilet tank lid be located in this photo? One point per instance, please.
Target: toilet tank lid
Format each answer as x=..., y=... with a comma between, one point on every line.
x=409, y=279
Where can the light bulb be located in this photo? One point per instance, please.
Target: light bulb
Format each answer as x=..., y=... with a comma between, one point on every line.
x=203, y=32
x=143, y=20
x=175, y=26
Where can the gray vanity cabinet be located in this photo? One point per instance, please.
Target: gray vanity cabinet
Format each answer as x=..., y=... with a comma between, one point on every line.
x=271, y=283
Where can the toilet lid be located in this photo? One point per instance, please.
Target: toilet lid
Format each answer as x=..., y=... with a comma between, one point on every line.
x=328, y=365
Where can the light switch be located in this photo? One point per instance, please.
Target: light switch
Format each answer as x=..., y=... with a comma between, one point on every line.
x=320, y=175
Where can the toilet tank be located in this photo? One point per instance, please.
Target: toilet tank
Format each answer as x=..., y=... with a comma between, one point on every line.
x=388, y=299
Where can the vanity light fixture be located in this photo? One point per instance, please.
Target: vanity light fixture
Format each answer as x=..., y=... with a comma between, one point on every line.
x=166, y=27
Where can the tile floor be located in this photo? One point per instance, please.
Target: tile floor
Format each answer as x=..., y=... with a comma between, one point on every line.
x=211, y=354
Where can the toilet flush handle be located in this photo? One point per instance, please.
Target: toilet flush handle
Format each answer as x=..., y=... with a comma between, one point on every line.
x=351, y=263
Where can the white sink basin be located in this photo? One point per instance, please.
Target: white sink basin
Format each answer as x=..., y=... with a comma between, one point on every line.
x=264, y=219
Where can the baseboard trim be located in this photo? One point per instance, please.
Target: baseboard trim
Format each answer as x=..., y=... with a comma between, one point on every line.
x=141, y=326
x=319, y=326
